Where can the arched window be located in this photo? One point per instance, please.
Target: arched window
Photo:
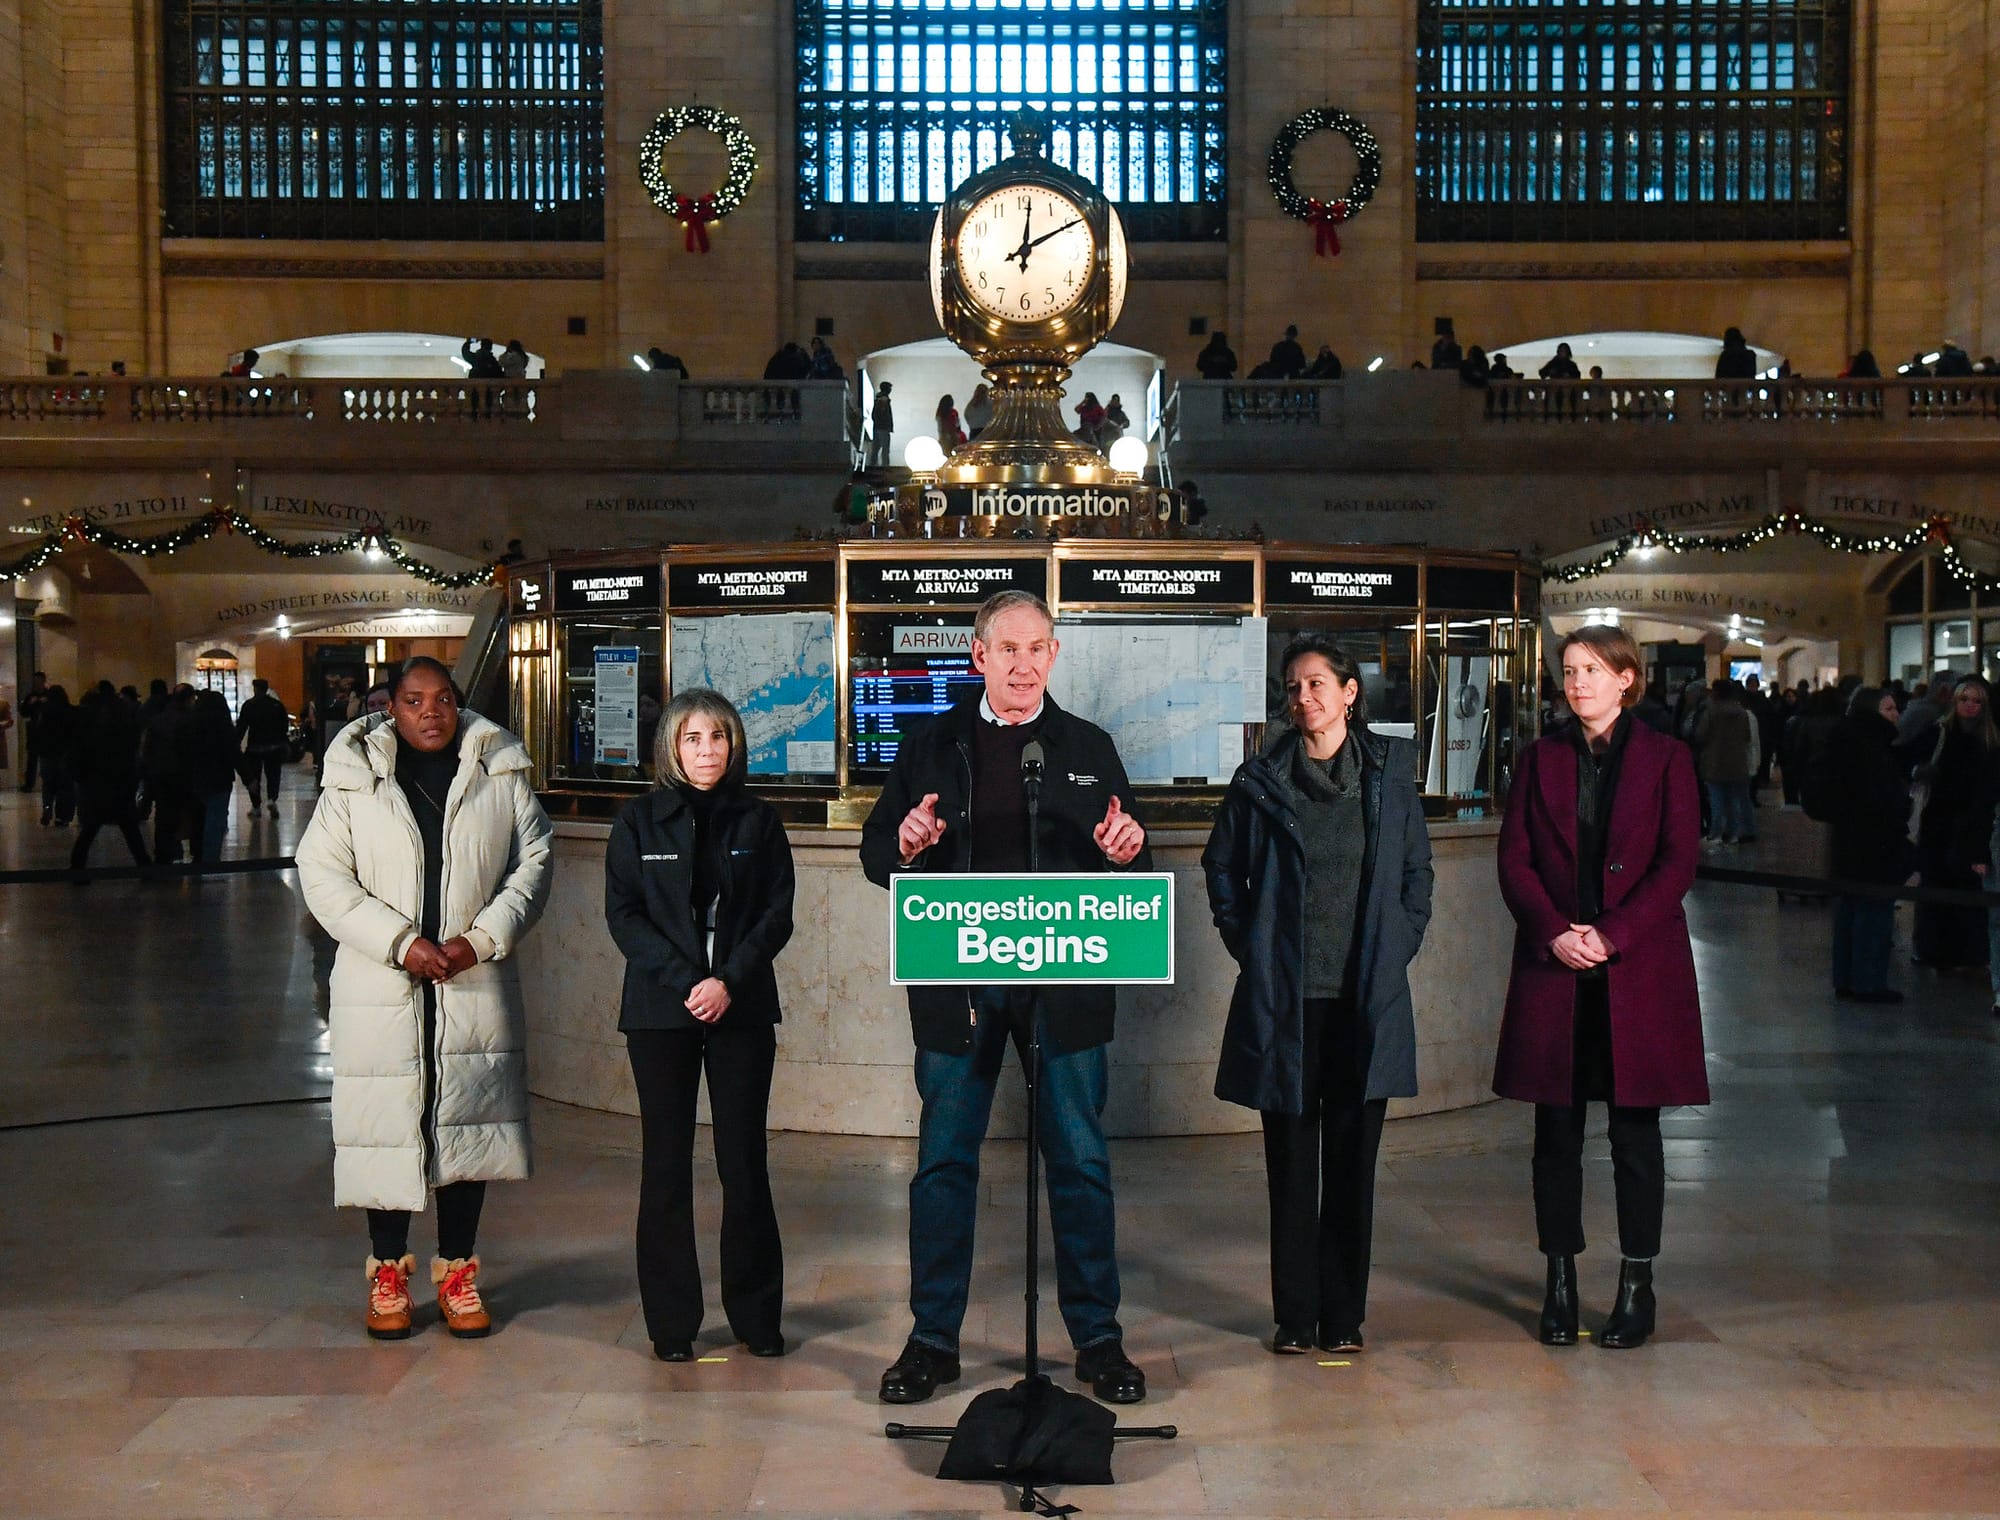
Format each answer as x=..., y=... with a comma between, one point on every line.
x=1654, y=120
x=443, y=119
x=899, y=100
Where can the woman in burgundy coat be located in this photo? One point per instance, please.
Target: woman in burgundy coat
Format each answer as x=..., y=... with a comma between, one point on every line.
x=1597, y=849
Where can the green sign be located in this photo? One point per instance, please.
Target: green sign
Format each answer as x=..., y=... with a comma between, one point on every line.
x=1041, y=930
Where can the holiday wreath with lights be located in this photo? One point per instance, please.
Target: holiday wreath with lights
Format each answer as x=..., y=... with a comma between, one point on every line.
x=1323, y=215
x=695, y=212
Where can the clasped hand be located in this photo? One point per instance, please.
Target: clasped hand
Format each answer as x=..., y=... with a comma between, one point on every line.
x=439, y=963
x=1581, y=948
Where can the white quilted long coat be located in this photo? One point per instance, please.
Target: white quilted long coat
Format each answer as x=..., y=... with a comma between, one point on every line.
x=361, y=866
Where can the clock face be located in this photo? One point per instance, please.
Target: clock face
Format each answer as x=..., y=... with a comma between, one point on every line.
x=1025, y=254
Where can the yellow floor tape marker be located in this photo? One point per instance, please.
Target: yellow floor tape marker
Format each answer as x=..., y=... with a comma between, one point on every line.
x=705, y=1360
x=1336, y=1364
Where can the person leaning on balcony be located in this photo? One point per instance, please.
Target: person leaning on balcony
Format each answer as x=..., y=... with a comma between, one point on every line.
x=1738, y=360
x=1561, y=365
x=1218, y=360
x=427, y=860
x=1319, y=878
x=1598, y=847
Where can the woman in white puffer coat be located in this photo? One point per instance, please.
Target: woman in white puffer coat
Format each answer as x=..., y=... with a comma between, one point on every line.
x=427, y=859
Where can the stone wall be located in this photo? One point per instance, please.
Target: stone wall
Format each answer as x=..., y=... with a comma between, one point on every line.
x=844, y=1051
x=79, y=200
x=31, y=185
x=1971, y=183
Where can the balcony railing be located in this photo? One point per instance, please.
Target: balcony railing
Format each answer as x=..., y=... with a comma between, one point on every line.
x=1728, y=401
x=802, y=421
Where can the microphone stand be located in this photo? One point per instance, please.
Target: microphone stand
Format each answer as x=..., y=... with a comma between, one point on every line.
x=1031, y=783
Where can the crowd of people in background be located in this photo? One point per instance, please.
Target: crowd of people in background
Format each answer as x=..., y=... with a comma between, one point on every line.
x=1906, y=779
x=1738, y=360
x=173, y=757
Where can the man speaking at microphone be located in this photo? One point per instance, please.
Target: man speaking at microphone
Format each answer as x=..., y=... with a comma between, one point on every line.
x=957, y=800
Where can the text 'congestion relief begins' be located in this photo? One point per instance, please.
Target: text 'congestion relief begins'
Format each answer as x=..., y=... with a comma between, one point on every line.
x=1106, y=927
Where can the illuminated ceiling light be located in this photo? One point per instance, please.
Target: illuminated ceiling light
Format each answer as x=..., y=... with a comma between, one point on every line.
x=923, y=454
x=641, y=361
x=1128, y=456
x=1374, y=364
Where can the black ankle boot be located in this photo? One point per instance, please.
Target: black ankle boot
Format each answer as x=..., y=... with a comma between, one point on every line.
x=1559, y=1308
x=1633, y=1315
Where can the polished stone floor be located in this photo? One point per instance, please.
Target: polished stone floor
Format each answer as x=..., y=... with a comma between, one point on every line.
x=180, y=1306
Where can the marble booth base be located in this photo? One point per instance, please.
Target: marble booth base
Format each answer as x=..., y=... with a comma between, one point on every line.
x=844, y=1049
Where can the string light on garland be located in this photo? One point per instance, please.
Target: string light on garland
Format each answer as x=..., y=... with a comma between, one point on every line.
x=229, y=520
x=1933, y=532
x=695, y=212
x=1325, y=216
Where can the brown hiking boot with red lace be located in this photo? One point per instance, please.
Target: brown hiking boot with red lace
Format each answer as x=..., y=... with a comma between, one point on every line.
x=389, y=1298
x=458, y=1296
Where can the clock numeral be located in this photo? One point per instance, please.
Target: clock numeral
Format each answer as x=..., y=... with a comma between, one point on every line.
x=1002, y=296
x=1051, y=296
x=1024, y=300
x=982, y=279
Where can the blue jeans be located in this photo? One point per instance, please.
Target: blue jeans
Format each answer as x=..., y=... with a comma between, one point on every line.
x=957, y=1093
x=1864, y=930
x=1730, y=812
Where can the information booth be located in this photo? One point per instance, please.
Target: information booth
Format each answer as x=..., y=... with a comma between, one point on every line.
x=836, y=652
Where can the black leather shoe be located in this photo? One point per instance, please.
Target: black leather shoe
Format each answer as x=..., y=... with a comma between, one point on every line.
x=1558, y=1326
x=775, y=1346
x=674, y=1351
x=1340, y=1340
x=1110, y=1373
x=1291, y=1342
x=1632, y=1317
x=917, y=1373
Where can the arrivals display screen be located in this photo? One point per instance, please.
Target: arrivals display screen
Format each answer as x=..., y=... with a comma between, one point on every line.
x=904, y=670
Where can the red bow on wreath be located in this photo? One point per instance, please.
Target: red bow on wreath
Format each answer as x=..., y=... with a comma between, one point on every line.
x=1325, y=216
x=695, y=212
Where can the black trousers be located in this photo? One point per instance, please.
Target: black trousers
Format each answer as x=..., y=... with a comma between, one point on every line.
x=122, y=813
x=1638, y=1160
x=1320, y=1166
x=270, y=764
x=175, y=813
x=458, y=1206
x=667, y=1065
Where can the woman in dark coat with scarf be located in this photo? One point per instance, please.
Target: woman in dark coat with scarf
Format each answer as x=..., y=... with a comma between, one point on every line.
x=1954, y=761
x=1859, y=787
x=698, y=894
x=1598, y=848
x=1319, y=876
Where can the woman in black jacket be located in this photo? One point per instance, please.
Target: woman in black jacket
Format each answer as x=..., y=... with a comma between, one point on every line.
x=698, y=894
x=1957, y=762
x=1860, y=788
x=1319, y=876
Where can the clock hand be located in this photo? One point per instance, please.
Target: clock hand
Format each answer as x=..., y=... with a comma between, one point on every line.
x=1027, y=223
x=1072, y=222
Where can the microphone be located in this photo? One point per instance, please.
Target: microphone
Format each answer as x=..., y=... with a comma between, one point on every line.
x=1031, y=764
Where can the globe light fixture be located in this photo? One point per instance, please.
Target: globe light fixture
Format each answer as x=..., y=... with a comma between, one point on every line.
x=1128, y=456
x=923, y=454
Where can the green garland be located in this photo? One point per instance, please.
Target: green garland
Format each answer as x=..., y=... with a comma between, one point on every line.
x=228, y=520
x=1932, y=532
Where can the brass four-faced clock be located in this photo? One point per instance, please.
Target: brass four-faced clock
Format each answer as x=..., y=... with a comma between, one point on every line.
x=1027, y=270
